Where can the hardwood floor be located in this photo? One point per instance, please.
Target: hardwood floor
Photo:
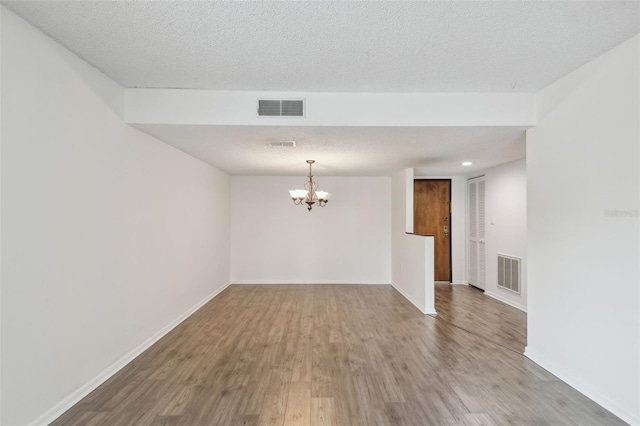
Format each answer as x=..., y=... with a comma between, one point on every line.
x=469, y=308
x=328, y=355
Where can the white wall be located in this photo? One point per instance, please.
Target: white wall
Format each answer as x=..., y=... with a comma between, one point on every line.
x=412, y=255
x=583, y=164
x=108, y=237
x=458, y=227
x=1, y=13
x=506, y=227
x=275, y=241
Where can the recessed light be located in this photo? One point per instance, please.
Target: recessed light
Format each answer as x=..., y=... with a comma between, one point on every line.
x=466, y=163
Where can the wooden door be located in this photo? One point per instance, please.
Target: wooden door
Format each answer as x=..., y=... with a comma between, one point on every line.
x=432, y=216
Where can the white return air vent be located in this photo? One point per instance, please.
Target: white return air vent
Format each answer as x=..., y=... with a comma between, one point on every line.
x=509, y=272
x=280, y=107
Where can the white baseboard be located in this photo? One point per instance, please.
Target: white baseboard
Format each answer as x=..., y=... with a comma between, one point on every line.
x=583, y=388
x=73, y=398
x=459, y=283
x=507, y=301
x=420, y=307
x=271, y=282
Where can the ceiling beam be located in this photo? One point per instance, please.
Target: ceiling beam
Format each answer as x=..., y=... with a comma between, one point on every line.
x=209, y=107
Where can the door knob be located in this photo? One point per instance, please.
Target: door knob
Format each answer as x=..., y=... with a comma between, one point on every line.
x=446, y=230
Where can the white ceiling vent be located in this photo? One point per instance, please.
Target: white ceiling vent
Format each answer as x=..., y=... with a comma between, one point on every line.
x=280, y=107
x=286, y=144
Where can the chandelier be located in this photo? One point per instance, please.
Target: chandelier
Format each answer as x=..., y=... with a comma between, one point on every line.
x=310, y=194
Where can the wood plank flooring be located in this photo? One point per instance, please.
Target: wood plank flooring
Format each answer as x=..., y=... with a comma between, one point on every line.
x=328, y=355
x=469, y=308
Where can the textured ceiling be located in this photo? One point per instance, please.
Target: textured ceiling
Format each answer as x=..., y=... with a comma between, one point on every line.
x=343, y=151
x=446, y=46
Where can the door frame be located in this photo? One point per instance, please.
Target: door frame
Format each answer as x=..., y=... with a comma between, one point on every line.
x=450, y=222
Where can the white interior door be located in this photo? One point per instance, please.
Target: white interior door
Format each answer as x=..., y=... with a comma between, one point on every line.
x=476, y=227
